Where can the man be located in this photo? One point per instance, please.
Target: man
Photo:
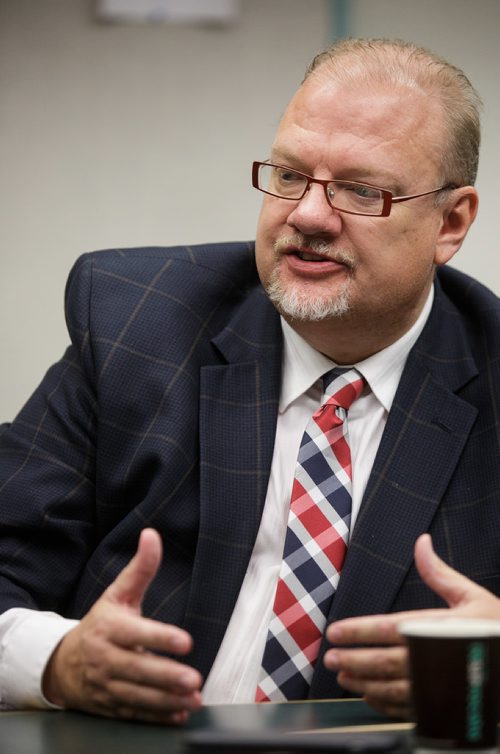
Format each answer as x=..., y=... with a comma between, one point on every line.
x=181, y=405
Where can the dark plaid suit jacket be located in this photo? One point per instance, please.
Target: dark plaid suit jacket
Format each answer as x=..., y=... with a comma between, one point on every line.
x=162, y=413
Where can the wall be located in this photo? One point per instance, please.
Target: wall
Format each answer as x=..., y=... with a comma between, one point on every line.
x=117, y=135
x=466, y=33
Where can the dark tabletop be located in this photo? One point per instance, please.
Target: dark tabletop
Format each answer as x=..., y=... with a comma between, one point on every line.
x=76, y=733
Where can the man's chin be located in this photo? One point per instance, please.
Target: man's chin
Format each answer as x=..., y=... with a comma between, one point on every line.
x=302, y=308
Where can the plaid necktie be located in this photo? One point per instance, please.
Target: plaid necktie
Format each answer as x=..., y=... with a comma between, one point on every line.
x=315, y=544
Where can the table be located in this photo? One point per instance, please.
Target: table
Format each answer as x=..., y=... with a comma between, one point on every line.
x=76, y=733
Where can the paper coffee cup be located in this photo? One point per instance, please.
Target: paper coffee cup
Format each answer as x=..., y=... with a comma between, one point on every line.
x=455, y=678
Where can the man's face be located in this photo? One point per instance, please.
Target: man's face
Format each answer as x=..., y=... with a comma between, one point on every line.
x=376, y=268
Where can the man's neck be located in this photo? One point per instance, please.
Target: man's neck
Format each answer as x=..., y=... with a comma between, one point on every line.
x=350, y=339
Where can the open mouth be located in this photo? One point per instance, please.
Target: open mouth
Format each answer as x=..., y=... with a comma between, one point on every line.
x=305, y=256
x=308, y=257
x=305, y=262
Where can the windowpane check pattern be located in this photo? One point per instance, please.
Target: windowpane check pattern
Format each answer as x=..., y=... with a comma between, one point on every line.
x=346, y=196
x=315, y=544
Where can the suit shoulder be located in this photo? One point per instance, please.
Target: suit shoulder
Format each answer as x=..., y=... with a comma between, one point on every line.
x=474, y=310
x=227, y=258
x=470, y=297
x=191, y=276
x=218, y=265
x=476, y=304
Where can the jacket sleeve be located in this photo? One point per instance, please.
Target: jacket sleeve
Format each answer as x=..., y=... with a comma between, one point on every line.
x=47, y=486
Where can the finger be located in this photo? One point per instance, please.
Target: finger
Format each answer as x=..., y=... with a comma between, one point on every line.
x=124, y=698
x=129, y=701
x=387, y=695
x=390, y=709
x=381, y=663
x=454, y=588
x=131, y=584
x=378, y=629
x=374, y=629
x=165, y=717
x=145, y=716
x=145, y=670
x=137, y=633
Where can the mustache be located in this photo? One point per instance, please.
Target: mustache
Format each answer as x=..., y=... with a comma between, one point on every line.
x=314, y=246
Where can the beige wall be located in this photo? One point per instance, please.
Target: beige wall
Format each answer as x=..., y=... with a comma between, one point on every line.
x=467, y=33
x=109, y=133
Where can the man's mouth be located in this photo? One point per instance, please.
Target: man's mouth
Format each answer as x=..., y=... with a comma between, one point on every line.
x=308, y=257
x=316, y=252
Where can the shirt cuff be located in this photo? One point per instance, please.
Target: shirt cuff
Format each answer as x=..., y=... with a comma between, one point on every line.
x=27, y=641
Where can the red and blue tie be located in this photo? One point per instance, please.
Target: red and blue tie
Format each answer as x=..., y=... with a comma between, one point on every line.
x=315, y=544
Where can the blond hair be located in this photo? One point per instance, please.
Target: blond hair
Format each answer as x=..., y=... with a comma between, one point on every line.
x=395, y=62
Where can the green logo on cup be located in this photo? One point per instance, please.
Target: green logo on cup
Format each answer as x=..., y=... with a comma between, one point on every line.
x=475, y=677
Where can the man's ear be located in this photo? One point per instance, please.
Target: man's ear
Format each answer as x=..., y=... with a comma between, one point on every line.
x=458, y=214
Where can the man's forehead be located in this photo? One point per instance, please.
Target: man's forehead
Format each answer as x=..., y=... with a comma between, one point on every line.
x=373, y=134
x=320, y=89
x=322, y=101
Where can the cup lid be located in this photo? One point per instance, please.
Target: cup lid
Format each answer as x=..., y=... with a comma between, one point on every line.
x=454, y=628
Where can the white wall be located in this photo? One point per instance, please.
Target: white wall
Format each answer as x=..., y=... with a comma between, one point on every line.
x=108, y=132
x=468, y=34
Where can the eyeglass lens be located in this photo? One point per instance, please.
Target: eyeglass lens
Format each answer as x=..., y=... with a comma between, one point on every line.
x=343, y=195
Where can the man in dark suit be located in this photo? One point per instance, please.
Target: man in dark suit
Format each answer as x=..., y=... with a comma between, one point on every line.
x=179, y=408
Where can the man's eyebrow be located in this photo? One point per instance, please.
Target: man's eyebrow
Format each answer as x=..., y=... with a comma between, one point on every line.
x=368, y=175
x=375, y=177
x=361, y=173
x=282, y=155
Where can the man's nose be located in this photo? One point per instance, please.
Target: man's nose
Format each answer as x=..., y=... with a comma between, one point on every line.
x=313, y=214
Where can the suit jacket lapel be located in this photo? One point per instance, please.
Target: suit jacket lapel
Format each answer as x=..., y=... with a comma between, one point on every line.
x=426, y=430
x=238, y=409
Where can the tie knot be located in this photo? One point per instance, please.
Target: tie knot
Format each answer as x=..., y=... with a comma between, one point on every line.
x=342, y=386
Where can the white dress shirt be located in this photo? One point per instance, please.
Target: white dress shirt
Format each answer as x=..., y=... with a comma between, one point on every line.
x=28, y=637
x=234, y=674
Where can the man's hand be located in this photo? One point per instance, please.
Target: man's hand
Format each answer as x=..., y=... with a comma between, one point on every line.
x=106, y=665
x=380, y=673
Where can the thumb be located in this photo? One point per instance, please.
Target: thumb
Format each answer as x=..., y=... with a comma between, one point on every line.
x=131, y=584
x=449, y=584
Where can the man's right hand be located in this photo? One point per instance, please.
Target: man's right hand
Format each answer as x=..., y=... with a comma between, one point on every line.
x=106, y=665
x=379, y=669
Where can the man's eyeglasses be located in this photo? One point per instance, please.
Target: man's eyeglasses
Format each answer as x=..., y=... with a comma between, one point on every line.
x=345, y=196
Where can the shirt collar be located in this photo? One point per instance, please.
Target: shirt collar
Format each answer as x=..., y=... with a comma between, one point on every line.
x=303, y=365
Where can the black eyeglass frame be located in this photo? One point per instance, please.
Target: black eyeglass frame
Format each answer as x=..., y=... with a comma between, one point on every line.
x=387, y=196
